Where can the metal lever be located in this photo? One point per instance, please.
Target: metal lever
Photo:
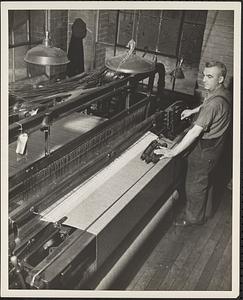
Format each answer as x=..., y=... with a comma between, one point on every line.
x=46, y=126
x=13, y=258
x=59, y=222
x=17, y=268
x=15, y=230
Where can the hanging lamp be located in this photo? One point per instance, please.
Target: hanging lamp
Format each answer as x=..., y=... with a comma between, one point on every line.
x=46, y=54
x=130, y=63
x=178, y=73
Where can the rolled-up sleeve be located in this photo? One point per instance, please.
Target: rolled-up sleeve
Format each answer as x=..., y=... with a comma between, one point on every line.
x=206, y=116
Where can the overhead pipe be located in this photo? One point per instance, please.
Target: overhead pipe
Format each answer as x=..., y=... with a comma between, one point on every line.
x=117, y=31
x=179, y=60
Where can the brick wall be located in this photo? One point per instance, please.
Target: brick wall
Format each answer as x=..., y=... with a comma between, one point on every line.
x=58, y=35
x=58, y=30
x=103, y=31
x=58, y=25
x=218, y=43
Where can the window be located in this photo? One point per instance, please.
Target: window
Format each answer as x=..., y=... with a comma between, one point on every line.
x=170, y=34
x=174, y=32
x=26, y=29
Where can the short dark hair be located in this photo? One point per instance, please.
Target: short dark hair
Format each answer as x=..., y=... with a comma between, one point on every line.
x=218, y=64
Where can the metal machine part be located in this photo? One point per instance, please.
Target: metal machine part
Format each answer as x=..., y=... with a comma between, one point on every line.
x=27, y=100
x=52, y=255
x=171, y=121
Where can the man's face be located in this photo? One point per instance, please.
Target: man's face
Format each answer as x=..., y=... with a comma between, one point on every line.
x=212, y=78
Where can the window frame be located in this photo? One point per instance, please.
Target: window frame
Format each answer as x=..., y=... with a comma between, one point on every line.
x=29, y=43
x=179, y=43
x=179, y=37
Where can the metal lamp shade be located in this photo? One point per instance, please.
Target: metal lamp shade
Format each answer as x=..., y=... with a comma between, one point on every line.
x=131, y=65
x=41, y=55
x=46, y=55
x=178, y=73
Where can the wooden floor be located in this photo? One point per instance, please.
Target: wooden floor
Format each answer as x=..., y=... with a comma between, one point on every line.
x=186, y=259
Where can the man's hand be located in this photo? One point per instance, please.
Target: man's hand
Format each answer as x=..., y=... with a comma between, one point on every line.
x=186, y=113
x=164, y=152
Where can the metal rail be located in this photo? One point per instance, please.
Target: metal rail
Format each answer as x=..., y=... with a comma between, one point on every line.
x=79, y=102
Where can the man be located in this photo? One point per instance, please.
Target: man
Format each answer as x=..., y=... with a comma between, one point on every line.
x=205, y=140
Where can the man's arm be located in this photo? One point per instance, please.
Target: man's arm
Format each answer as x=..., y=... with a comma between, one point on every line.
x=188, y=112
x=196, y=109
x=187, y=140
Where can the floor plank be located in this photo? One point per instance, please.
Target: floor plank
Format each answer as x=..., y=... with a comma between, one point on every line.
x=167, y=282
x=193, y=258
x=154, y=262
x=221, y=279
x=209, y=234
x=200, y=264
x=167, y=260
x=214, y=260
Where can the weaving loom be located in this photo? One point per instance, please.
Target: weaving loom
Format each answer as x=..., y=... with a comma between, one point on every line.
x=25, y=99
x=70, y=207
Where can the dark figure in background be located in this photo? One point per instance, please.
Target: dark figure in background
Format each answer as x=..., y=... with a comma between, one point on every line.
x=205, y=140
x=76, y=50
x=161, y=80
